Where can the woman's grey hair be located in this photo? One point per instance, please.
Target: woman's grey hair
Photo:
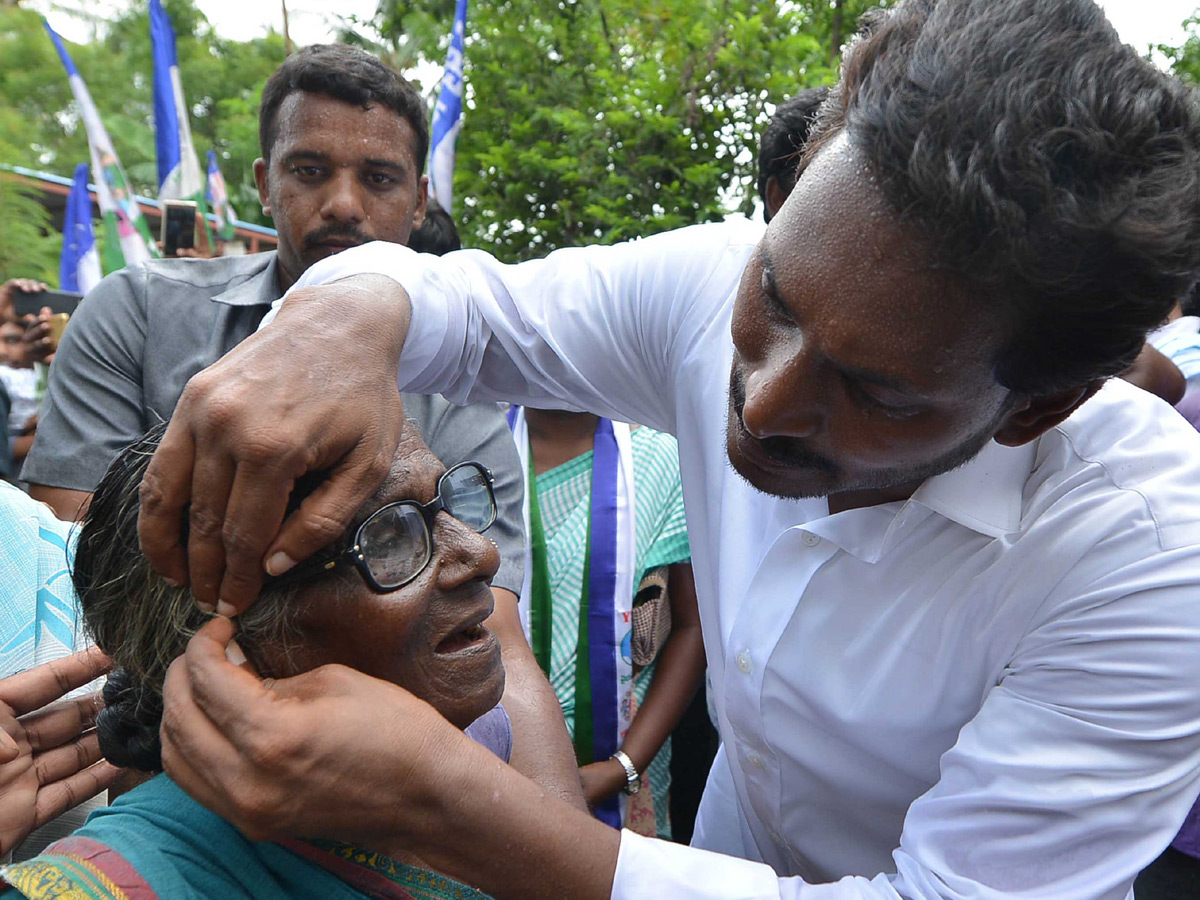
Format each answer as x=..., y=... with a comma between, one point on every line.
x=143, y=623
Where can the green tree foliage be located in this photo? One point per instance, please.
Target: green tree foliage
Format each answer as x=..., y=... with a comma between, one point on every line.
x=597, y=120
x=28, y=247
x=587, y=120
x=222, y=82
x=1185, y=59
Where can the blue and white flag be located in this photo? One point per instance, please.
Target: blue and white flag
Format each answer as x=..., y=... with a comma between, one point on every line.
x=127, y=237
x=179, y=175
x=79, y=267
x=447, y=116
x=218, y=200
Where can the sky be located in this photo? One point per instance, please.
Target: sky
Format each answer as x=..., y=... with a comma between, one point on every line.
x=1139, y=22
x=1145, y=22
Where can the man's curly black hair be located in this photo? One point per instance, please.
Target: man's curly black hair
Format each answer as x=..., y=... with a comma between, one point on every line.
x=1051, y=168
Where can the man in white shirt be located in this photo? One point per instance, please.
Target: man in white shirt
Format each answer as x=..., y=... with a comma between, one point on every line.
x=953, y=619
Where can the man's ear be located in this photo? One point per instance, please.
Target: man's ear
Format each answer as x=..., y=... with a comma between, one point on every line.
x=776, y=193
x=422, y=201
x=260, y=179
x=1034, y=416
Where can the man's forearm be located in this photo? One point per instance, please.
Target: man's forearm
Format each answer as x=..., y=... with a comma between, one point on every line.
x=512, y=839
x=541, y=746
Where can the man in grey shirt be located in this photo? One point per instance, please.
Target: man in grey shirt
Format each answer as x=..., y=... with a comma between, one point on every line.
x=344, y=140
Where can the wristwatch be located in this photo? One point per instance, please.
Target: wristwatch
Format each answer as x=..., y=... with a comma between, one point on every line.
x=633, y=781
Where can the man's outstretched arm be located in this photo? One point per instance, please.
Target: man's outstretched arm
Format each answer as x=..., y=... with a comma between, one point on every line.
x=599, y=328
x=250, y=425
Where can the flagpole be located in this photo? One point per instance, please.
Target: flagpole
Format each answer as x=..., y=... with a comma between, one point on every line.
x=287, y=38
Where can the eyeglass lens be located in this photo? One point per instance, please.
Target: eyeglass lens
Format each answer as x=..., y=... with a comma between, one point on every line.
x=396, y=543
x=467, y=497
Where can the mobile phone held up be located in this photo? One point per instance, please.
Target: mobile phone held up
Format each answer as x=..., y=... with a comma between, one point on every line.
x=30, y=303
x=178, y=226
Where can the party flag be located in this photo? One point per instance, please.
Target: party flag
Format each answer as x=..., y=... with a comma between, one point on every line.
x=218, y=200
x=447, y=116
x=79, y=267
x=179, y=176
x=127, y=238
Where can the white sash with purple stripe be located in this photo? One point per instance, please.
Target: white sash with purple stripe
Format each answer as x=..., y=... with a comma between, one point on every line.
x=610, y=587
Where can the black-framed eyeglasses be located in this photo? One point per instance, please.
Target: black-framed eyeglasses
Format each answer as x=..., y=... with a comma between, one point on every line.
x=395, y=543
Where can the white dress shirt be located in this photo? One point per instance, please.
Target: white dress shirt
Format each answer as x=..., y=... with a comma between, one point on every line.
x=990, y=690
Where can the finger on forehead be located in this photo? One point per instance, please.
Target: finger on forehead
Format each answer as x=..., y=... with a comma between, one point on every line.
x=48, y=682
x=65, y=761
x=165, y=494
x=326, y=513
x=257, y=505
x=212, y=481
x=55, y=799
x=61, y=722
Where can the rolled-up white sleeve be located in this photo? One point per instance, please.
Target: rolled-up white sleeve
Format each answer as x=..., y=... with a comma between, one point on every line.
x=598, y=328
x=650, y=868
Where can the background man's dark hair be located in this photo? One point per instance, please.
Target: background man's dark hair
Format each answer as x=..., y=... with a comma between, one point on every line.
x=783, y=139
x=1191, y=303
x=1048, y=165
x=347, y=74
x=437, y=234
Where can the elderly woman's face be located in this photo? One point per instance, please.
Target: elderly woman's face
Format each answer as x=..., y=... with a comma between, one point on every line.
x=427, y=636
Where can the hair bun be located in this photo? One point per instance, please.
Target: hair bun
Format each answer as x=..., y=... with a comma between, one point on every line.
x=128, y=725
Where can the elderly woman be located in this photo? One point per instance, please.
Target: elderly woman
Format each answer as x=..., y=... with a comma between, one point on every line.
x=403, y=598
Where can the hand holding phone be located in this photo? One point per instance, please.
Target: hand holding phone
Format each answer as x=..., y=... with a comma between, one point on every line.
x=178, y=229
x=11, y=288
x=31, y=303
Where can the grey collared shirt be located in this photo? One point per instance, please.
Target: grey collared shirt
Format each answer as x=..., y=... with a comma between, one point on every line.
x=142, y=332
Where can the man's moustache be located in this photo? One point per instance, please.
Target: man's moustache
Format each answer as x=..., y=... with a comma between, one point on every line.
x=349, y=236
x=786, y=451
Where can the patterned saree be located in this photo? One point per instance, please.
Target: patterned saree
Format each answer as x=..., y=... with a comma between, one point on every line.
x=157, y=843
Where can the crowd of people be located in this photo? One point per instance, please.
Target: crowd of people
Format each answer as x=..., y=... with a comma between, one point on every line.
x=367, y=567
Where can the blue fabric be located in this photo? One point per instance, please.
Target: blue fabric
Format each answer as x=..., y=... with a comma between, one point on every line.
x=602, y=583
x=493, y=730
x=166, y=117
x=183, y=851
x=62, y=51
x=6, y=459
x=77, y=237
x=447, y=115
x=39, y=618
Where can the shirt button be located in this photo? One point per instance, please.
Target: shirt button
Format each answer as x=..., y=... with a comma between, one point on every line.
x=810, y=539
x=743, y=662
x=755, y=760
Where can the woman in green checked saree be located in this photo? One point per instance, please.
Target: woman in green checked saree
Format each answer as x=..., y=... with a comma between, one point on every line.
x=611, y=611
x=402, y=598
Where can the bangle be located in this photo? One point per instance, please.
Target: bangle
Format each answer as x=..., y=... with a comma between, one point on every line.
x=633, y=781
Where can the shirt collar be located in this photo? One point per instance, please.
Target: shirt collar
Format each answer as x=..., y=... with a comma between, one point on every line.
x=258, y=289
x=984, y=495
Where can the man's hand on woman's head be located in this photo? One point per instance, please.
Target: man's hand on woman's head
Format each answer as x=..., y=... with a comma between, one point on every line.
x=49, y=753
x=336, y=754
x=330, y=753
x=315, y=391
